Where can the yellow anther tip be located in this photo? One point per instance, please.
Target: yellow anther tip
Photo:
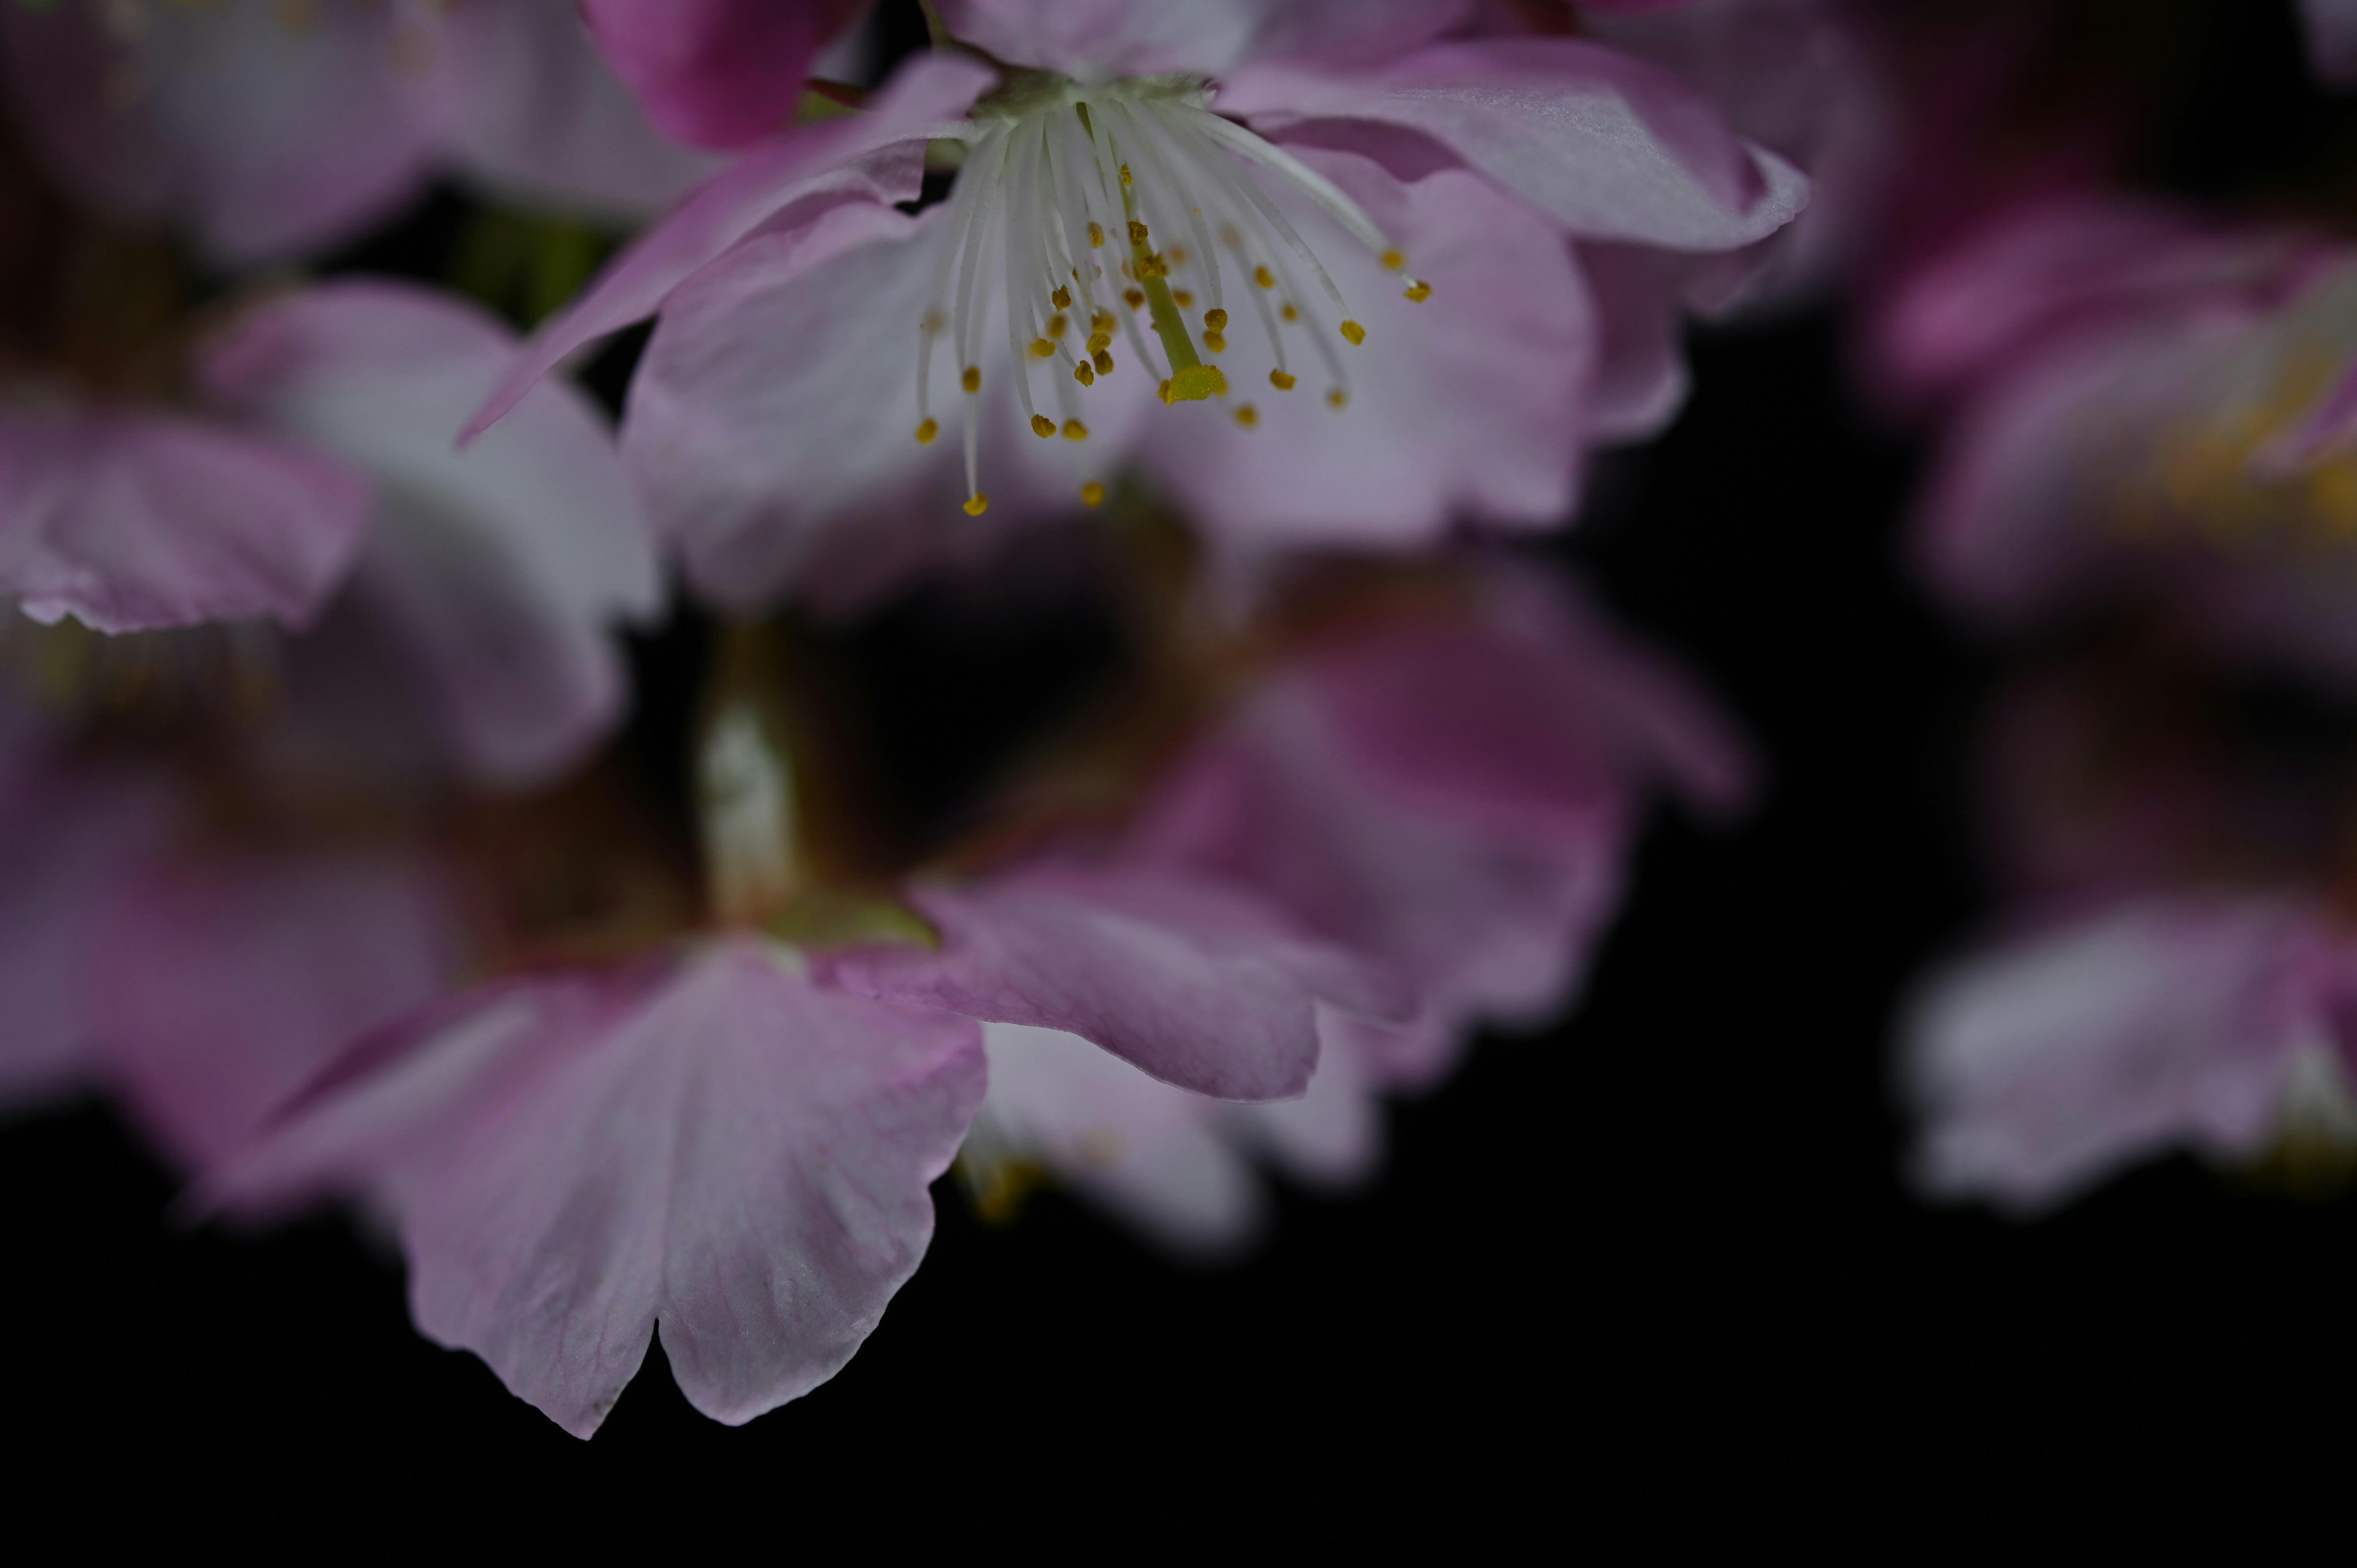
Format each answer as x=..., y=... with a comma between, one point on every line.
x=1216, y=342
x=1337, y=398
x=1103, y=362
x=1394, y=261
x=1042, y=349
x=971, y=379
x=1215, y=320
x=1093, y=494
x=1096, y=237
x=976, y=504
x=1075, y=431
x=1420, y=293
x=1354, y=332
x=1281, y=380
x=1125, y=175
x=1181, y=298
x=1042, y=426
x=1134, y=297
x=1082, y=374
x=1061, y=298
x=1100, y=341
x=927, y=431
x=1264, y=277
x=1248, y=416
x=1139, y=232
x=1290, y=313
x=1058, y=326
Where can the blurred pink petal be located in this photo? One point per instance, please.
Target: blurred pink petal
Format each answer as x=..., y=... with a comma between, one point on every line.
x=2332, y=27
x=265, y=140
x=713, y=1144
x=134, y=521
x=717, y=73
x=1198, y=983
x=1096, y=39
x=502, y=571
x=219, y=988
x=815, y=165
x=2051, y=1061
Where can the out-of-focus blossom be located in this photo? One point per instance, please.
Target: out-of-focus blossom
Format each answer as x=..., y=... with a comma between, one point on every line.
x=1453, y=793
x=1349, y=159
x=2175, y=846
x=2331, y=29
x=268, y=130
x=2143, y=408
x=717, y=73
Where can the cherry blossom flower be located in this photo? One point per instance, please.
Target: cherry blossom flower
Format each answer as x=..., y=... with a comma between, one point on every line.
x=1289, y=170
x=717, y=73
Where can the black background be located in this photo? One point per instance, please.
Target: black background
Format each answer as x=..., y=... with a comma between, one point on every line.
x=1651, y=1275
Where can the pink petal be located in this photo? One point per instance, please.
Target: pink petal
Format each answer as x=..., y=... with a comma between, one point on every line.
x=131, y=521
x=502, y=571
x=714, y=1145
x=266, y=140
x=717, y=73
x=1200, y=984
x=832, y=160
x=2331, y=29
x=532, y=111
x=1607, y=146
x=2048, y=1064
x=1473, y=403
x=1096, y=40
x=219, y=989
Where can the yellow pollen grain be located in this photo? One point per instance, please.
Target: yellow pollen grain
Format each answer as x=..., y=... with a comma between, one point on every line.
x=1281, y=380
x=1420, y=293
x=976, y=504
x=1075, y=431
x=1248, y=416
x=1100, y=341
x=1093, y=494
x=1061, y=298
x=1264, y=277
x=1134, y=297
x=1139, y=233
x=1394, y=261
x=1337, y=398
x=1042, y=349
x=1083, y=374
x=1215, y=321
x=927, y=431
x=971, y=379
x=1290, y=313
x=1042, y=426
x=1177, y=253
x=1096, y=237
x=1103, y=362
x=1180, y=296
x=1354, y=332
x=1217, y=342
x=1057, y=326
x=1126, y=181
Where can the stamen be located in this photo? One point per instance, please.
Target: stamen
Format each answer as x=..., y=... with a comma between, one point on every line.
x=1042, y=426
x=1093, y=494
x=1096, y=237
x=976, y=504
x=1075, y=431
x=1419, y=292
x=1266, y=279
x=1354, y=332
x=1061, y=299
x=1084, y=375
x=926, y=430
x=1280, y=380
x=971, y=379
x=1248, y=416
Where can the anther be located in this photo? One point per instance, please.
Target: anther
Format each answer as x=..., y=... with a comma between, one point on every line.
x=1042, y=426
x=976, y=504
x=972, y=379
x=1096, y=237
x=1354, y=332
x=1075, y=431
x=1103, y=362
x=1102, y=321
x=1061, y=298
x=1290, y=313
x=1093, y=494
x=1394, y=261
x=1126, y=181
x=1057, y=326
x=1042, y=349
x=1264, y=277
x=1083, y=374
x=1337, y=398
x=1139, y=232
x=1180, y=296
x=1281, y=380
x=927, y=431
x=1216, y=342
x=1177, y=253
x=1215, y=321
x=1134, y=297
x=1100, y=341
x=1248, y=416
x=1420, y=293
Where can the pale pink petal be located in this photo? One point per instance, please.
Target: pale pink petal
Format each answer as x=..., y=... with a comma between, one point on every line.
x=772, y=424
x=717, y=73
x=1096, y=40
x=1332, y=1137
x=502, y=570
x=713, y=1146
x=2332, y=27
x=1641, y=374
x=70, y=837
x=1608, y=146
x=833, y=160
x=1201, y=984
x=217, y=988
x=1147, y=1153
x=1471, y=404
x=2045, y=1065
x=265, y=140
x=134, y=521
x=534, y=114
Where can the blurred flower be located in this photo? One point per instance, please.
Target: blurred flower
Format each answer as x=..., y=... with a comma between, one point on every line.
x=2332, y=28
x=717, y=73
x=268, y=130
x=761, y=427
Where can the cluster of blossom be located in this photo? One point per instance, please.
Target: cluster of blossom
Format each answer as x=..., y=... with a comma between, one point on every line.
x=2144, y=478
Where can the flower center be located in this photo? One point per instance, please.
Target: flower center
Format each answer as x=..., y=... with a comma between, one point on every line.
x=1097, y=203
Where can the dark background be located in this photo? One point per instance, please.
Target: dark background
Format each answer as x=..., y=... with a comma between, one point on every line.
x=1654, y=1272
